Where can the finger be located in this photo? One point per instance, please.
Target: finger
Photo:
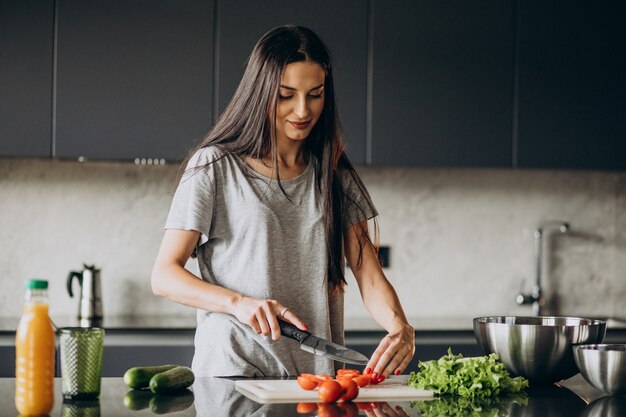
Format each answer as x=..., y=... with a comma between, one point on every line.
x=394, y=363
x=265, y=328
x=378, y=410
x=254, y=324
x=400, y=411
x=384, y=361
x=404, y=364
x=393, y=356
x=272, y=321
x=291, y=317
x=375, y=358
x=388, y=410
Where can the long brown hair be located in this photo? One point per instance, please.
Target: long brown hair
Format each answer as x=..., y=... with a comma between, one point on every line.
x=245, y=128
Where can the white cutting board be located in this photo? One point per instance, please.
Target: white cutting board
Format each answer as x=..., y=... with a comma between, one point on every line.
x=288, y=390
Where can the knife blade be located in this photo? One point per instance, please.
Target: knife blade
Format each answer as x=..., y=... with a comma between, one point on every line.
x=321, y=347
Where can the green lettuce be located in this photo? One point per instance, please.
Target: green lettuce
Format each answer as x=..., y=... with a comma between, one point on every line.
x=448, y=406
x=475, y=378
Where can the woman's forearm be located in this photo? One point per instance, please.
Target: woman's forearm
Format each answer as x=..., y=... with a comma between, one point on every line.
x=378, y=295
x=178, y=284
x=383, y=304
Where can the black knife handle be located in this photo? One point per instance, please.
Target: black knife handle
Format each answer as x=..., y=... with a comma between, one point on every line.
x=292, y=332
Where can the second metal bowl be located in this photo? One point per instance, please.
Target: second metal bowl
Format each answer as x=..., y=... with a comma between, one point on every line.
x=538, y=348
x=603, y=366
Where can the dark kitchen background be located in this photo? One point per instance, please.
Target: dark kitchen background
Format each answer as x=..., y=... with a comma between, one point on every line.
x=471, y=122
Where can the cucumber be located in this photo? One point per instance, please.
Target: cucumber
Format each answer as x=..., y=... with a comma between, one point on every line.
x=173, y=380
x=139, y=376
x=178, y=401
x=138, y=399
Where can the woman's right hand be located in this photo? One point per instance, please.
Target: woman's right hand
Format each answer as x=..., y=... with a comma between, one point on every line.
x=262, y=315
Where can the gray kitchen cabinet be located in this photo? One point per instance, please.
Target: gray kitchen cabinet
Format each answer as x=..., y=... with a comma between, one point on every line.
x=126, y=349
x=26, y=33
x=342, y=25
x=134, y=78
x=572, y=84
x=442, y=83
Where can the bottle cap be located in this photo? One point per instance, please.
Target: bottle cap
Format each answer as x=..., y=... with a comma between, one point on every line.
x=37, y=284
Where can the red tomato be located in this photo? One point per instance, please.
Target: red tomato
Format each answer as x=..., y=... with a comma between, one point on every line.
x=350, y=389
x=347, y=372
x=330, y=391
x=364, y=406
x=321, y=377
x=376, y=381
x=349, y=409
x=307, y=383
x=362, y=380
x=329, y=410
x=305, y=408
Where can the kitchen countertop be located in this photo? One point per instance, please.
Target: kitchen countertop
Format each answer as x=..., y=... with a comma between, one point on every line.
x=216, y=397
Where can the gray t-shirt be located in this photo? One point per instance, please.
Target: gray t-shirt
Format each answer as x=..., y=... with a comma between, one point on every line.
x=258, y=243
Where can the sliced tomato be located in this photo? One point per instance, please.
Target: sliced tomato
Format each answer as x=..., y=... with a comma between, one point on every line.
x=346, y=376
x=364, y=406
x=307, y=383
x=349, y=409
x=306, y=408
x=350, y=389
x=348, y=372
x=321, y=377
x=362, y=380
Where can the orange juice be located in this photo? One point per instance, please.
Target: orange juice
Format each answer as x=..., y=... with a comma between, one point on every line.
x=34, y=353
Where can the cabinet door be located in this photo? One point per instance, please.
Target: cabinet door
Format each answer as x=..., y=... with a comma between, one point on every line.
x=342, y=26
x=26, y=34
x=572, y=84
x=442, y=83
x=134, y=77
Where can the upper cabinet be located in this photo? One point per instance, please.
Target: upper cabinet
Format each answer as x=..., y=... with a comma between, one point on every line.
x=26, y=34
x=442, y=83
x=342, y=25
x=572, y=84
x=134, y=78
x=426, y=83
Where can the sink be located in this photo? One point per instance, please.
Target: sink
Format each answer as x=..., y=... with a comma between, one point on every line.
x=615, y=323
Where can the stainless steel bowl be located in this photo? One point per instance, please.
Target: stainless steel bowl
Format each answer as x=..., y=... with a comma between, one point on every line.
x=606, y=407
x=537, y=348
x=603, y=366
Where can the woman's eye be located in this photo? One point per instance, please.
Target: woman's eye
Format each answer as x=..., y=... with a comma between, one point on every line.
x=284, y=97
x=315, y=95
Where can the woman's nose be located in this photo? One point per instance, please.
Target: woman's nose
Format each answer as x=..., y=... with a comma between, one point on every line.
x=301, y=108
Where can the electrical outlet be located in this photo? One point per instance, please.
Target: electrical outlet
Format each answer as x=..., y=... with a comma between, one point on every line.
x=383, y=256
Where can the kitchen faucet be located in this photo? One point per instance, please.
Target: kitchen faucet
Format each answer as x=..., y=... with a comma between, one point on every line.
x=535, y=297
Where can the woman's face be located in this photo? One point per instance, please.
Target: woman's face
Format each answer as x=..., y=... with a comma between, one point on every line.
x=301, y=100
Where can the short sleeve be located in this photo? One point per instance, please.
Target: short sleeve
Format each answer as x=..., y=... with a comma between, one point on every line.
x=193, y=202
x=358, y=205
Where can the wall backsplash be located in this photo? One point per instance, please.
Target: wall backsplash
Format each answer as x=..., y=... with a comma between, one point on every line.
x=461, y=239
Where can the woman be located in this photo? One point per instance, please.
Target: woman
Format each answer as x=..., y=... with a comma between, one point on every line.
x=269, y=204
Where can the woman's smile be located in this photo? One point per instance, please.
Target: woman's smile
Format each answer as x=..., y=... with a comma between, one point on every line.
x=300, y=125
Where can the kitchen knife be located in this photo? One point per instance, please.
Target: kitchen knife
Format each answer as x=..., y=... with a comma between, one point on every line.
x=321, y=347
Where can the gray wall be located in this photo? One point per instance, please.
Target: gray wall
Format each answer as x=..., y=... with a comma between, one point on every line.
x=461, y=240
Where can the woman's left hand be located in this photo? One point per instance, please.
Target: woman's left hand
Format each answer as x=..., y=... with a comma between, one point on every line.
x=393, y=353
